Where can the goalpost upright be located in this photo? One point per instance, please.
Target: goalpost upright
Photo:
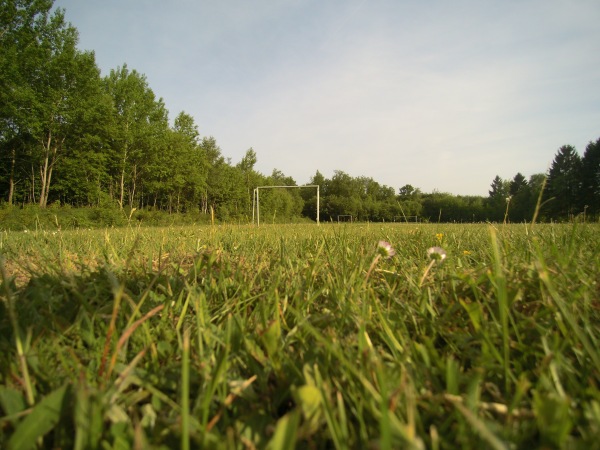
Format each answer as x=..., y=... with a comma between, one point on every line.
x=256, y=199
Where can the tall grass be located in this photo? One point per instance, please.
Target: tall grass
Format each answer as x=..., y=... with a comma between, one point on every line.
x=301, y=336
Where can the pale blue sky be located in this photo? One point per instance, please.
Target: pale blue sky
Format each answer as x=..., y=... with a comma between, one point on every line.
x=438, y=94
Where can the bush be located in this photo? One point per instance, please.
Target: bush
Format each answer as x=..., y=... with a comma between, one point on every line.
x=154, y=217
x=108, y=214
x=55, y=217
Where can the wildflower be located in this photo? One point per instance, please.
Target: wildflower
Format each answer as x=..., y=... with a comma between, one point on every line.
x=439, y=237
x=385, y=249
x=436, y=253
x=466, y=252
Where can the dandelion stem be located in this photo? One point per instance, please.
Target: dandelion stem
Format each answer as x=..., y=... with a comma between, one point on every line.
x=431, y=263
x=375, y=260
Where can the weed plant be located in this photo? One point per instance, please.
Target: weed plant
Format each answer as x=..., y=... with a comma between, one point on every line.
x=301, y=336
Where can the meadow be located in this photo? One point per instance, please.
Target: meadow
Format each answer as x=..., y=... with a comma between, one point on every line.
x=305, y=336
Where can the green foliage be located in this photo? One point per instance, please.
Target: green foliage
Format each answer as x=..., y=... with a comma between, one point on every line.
x=444, y=207
x=301, y=336
x=139, y=133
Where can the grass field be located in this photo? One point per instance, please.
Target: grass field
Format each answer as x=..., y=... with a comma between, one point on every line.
x=301, y=335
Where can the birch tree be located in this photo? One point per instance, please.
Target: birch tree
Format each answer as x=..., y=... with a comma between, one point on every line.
x=140, y=121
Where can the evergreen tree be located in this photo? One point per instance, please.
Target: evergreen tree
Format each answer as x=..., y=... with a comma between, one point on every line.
x=519, y=195
x=590, y=178
x=563, y=188
x=499, y=195
x=517, y=184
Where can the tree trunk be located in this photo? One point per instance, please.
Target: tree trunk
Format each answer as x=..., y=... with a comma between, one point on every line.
x=32, y=184
x=205, y=203
x=133, y=186
x=50, y=170
x=122, y=195
x=50, y=157
x=44, y=171
x=11, y=181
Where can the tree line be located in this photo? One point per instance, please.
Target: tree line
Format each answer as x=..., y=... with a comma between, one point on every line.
x=570, y=190
x=69, y=136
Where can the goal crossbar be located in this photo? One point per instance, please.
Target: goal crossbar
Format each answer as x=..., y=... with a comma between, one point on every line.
x=256, y=199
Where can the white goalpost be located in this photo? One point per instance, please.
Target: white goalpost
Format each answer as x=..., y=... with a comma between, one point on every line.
x=256, y=199
x=348, y=217
x=406, y=219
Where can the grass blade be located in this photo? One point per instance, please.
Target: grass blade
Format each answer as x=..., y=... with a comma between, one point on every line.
x=43, y=418
x=286, y=432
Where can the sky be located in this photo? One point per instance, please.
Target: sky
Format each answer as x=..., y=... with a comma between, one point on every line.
x=437, y=94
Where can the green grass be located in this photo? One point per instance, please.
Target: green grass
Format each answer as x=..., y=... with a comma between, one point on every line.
x=299, y=335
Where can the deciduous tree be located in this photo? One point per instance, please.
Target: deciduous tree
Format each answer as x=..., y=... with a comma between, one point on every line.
x=140, y=122
x=47, y=86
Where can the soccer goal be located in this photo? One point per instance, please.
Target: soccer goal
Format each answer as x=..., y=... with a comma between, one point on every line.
x=344, y=218
x=256, y=199
x=406, y=219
